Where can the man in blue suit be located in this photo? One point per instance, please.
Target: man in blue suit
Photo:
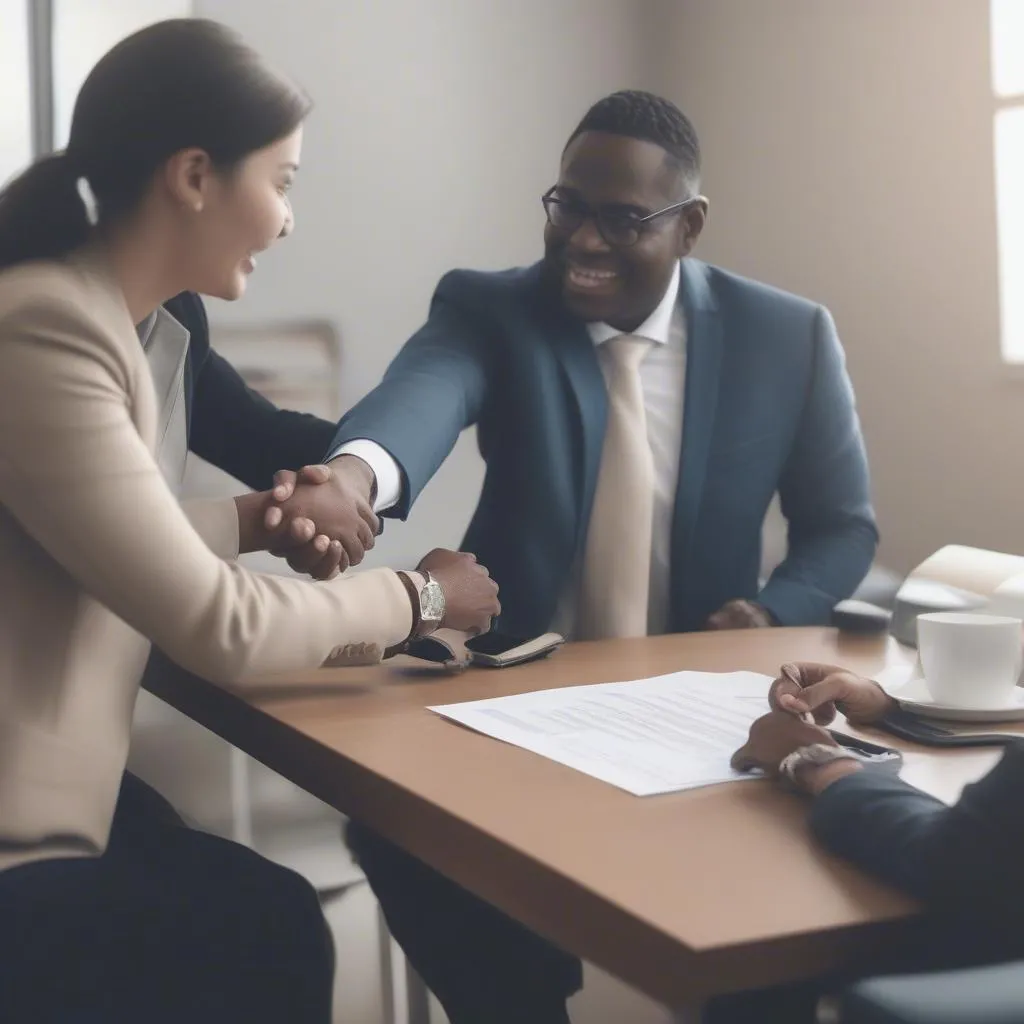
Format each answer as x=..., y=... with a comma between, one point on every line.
x=745, y=391
x=637, y=411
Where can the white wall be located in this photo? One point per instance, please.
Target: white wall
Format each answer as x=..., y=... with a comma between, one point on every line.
x=438, y=126
x=849, y=157
x=83, y=31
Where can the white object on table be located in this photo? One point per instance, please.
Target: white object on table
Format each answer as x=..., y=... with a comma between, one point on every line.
x=970, y=660
x=907, y=684
x=649, y=736
x=1008, y=598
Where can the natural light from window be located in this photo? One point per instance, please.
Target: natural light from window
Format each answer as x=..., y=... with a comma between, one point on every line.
x=15, y=100
x=1007, y=34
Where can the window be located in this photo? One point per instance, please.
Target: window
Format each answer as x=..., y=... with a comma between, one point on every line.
x=1007, y=40
x=52, y=45
x=16, y=103
x=83, y=30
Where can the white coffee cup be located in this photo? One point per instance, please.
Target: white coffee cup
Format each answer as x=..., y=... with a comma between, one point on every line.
x=970, y=661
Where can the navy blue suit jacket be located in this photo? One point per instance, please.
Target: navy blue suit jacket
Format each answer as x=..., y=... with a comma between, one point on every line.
x=229, y=424
x=964, y=859
x=768, y=407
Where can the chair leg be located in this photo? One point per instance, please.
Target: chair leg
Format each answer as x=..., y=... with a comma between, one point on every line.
x=405, y=999
x=241, y=797
x=417, y=997
x=387, y=971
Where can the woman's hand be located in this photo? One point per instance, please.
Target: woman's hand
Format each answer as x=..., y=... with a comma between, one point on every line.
x=470, y=595
x=297, y=539
x=821, y=690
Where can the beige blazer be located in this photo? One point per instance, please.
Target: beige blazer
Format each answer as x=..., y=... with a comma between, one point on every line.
x=98, y=560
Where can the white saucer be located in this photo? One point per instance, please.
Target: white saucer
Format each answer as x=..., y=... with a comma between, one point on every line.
x=911, y=691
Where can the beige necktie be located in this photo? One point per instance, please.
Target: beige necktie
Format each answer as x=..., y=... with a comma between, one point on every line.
x=617, y=556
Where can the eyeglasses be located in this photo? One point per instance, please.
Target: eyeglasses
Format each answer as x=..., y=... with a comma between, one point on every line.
x=618, y=225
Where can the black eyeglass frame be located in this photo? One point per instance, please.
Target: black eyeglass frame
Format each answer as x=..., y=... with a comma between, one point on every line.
x=584, y=211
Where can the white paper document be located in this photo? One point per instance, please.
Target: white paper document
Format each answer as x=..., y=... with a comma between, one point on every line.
x=649, y=736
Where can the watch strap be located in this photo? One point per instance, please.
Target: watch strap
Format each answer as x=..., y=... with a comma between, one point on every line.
x=414, y=598
x=814, y=755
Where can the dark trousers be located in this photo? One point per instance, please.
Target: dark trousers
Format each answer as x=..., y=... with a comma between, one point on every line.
x=168, y=925
x=787, y=1004
x=483, y=967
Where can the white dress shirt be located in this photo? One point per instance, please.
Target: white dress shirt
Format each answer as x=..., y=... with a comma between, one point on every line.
x=663, y=375
x=165, y=343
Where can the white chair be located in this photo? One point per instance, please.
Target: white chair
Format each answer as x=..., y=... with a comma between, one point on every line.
x=404, y=996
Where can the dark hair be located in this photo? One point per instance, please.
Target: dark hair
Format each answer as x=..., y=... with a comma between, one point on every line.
x=642, y=115
x=174, y=85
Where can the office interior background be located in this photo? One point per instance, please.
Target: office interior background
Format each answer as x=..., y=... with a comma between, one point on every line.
x=866, y=153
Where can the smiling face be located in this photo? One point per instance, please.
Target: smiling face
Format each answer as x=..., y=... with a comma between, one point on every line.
x=625, y=178
x=234, y=215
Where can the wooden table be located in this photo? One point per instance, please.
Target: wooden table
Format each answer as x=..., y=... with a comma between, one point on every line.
x=682, y=896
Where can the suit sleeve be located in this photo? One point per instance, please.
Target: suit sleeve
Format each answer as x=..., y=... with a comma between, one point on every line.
x=234, y=427
x=962, y=857
x=825, y=496
x=431, y=392
x=75, y=473
x=241, y=432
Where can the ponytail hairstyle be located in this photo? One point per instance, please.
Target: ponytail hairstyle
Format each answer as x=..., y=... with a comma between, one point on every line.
x=174, y=85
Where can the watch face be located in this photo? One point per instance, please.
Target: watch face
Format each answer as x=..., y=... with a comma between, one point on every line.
x=432, y=602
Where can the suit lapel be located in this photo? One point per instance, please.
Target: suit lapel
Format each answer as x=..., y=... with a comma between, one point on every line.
x=703, y=369
x=574, y=349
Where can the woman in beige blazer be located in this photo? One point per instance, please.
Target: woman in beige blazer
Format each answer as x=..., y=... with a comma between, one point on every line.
x=183, y=146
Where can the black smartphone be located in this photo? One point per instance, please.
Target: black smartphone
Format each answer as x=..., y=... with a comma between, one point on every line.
x=497, y=650
x=882, y=755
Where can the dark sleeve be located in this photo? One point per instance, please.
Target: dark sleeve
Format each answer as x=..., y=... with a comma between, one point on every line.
x=431, y=392
x=234, y=427
x=825, y=496
x=966, y=856
x=239, y=431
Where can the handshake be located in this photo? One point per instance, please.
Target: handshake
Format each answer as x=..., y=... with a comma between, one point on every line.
x=321, y=520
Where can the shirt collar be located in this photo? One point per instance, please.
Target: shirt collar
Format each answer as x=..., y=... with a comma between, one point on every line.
x=145, y=329
x=655, y=328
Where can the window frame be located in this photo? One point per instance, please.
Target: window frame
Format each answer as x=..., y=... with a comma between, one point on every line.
x=1006, y=99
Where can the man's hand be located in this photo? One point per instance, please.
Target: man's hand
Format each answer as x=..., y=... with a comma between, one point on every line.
x=470, y=595
x=323, y=516
x=740, y=615
x=773, y=737
x=824, y=689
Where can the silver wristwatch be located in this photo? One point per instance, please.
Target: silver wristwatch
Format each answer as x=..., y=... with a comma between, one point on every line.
x=814, y=755
x=431, y=605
